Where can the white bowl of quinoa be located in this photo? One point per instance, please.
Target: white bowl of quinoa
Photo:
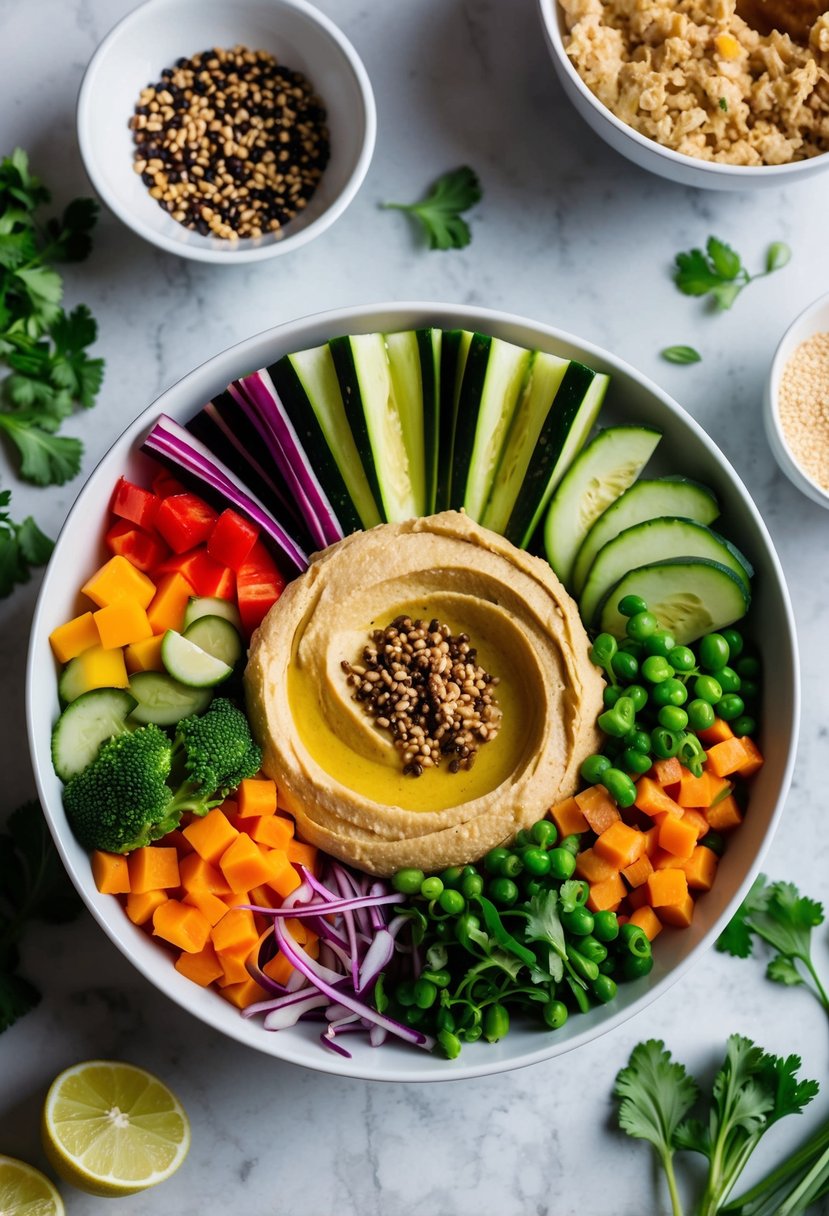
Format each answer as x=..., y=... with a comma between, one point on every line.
x=797, y=402
x=689, y=90
x=226, y=132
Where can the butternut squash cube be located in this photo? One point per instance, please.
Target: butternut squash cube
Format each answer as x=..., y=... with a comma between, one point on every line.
x=117, y=580
x=121, y=623
x=73, y=637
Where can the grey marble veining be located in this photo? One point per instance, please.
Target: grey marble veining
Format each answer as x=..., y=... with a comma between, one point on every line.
x=571, y=235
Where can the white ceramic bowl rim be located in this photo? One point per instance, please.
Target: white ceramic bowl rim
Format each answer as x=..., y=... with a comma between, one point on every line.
x=782, y=355
x=550, y=13
x=409, y=1064
x=245, y=251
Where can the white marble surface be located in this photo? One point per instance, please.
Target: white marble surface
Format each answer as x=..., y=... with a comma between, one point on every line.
x=572, y=235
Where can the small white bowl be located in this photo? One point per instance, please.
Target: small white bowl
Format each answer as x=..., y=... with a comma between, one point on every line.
x=646, y=152
x=813, y=320
x=157, y=33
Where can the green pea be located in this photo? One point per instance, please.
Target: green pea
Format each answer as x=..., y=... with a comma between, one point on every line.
x=533, y=886
x=521, y=839
x=496, y=1023
x=408, y=882
x=682, y=658
x=441, y=979
x=414, y=1015
x=625, y=665
x=431, y=888
x=562, y=863
x=735, y=642
x=618, y=720
x=619, y=786
x=536, y=861
x=656, y=669
x=450, y=1043
x=638, y=695
x=425, y=993
x=731, y=706
x=580, y=997
x=635, y=761
x=465, y=925
x=493, y=859
x=611, y=695
x=706, y=688
x=664, y=743
x=631, y=646
x=571, y=843
x=471, y=886
x=592, y=768
x=713, y=651
x=404, y=993
x=728, y=679
x=700, y=714
x=472, y=1034
x=451, y=901
x=639, y=739
x=544, y=833
x=604, y=989
x=660, y=643
x=641, y=625
x=511, y=866
x=452, y=876
x=635, y=940
x=605, y=926
x=630, y=605
x=748, y=667
x=442, y=930
x=609, y=966
x=603, y=649
x=670, y=692
x=593, y=949
x=744, y=725
x=672, y=717
x=634, y=967
x=503, y=891
x=555, y=1014
x=445, y=1019
x=579, y=922
x=749, y=688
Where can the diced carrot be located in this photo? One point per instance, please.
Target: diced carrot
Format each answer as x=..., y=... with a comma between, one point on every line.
x=265, y=896
x=121, y=623
x=607, y=895
x=111, y=873
x=284, y=878
x=594, y=868
x=701, y=868
x=243, y=864
x=211, y=836
x=200, y=875
x=211, y=906
x=302, y=854
x=181, y=925
x=234, y=966
x=568, y=818
x=668, y=773
x=696, y=819
x=753, y=757
x=677, y=837
x=169, y=602
x=278, y=968
x=598, y=808
x=235, y=932
x=652, y=799
x=651, y=841
x=679, y=915
x=638, y=872
x=638, y=896
x=153, y=868
x=700, y=791
x=724, y=815
x=248, y=992
x=202, y=968
x=663, y=860
x=716, y=733
x=620, y=844
x=145, y=655
x=667, y=888
x=646, y=919
x=275, y=831
x=140, y=908
x=73, y=637
x=256, y=797
x=726, y=757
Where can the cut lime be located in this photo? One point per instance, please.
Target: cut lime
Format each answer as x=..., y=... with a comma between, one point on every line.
x=189, y=664
x=113, y=1129
x=24, y=1191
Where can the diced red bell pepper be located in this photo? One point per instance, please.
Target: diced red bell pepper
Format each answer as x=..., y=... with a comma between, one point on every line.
x=141, y=549
x=258, y=586
x=232, y=539
x=135, y=504
x=185, y=520
x=164, y=484
x=205, y=576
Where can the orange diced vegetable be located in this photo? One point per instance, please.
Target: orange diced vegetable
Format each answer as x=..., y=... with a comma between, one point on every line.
x=169, y=602
x=284, y=878
x=211, y=836
x=236, y=898
x=211, y=906
x=140, y=908
x=154, y=868
x=278, y=968
x=568, y=818
x=697, y=820
x=726, y=757
x=651, y=841
x=275, y=831
x=248, y=992
x=677, y=836
x=638, y=897
x=598, y=808
x=700, y=791
x=620, y=845
x=679, y=915
x=235, y=932
x=255, y=798
x=117, y=580
x=200, y=875
x=243, y=865
x=724, y=815
x=145, y=655
x=202, y=968
x=111, y=873
x=667, y=888
x=716, y=733
x=593, y=867
x=652, y=799
x=265, y=896
x=181, y=925
x=302, y=854
x=100, y=668
x=75, y=636
x=667, y=772
x=178, y=841
x=638, y=872
x=701, y=868
x=607, y=895
x=121, y=623
x=647, y=920
x=663, y=860
x=234, y=966
x=753, y=757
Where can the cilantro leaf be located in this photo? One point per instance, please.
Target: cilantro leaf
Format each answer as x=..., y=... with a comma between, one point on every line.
x=440, y=212
x=45, y=459
x=722, y=257
x=693, y=275
x=21, y=546
x=69, y=237
x=718, y=271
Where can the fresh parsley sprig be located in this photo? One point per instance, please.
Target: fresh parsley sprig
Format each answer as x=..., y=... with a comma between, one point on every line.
x=21, y=546
x=440, y=212
x=718, y=271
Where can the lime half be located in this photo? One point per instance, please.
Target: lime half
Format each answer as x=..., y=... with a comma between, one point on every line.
x=113, y=1129
x=24, y=1191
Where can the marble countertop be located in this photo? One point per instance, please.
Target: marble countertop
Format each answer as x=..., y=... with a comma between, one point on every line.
x=570, y=234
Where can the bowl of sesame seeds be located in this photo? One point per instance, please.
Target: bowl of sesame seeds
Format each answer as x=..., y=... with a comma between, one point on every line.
x=224, y=132
x=797, y=402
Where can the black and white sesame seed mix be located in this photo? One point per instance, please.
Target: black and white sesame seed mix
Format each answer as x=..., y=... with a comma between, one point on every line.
x=230, y=143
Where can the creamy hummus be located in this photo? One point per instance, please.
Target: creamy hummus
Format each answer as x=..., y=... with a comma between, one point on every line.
x=340, y=775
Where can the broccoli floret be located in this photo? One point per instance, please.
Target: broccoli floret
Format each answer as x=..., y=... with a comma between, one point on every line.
x=140, y=784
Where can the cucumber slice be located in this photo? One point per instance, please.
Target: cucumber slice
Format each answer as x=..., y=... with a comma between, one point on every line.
x=210, y=605
x=653, y=541
x=72, y=683
x=186, y=662
x=646, y=499
x=89, y=721
x=403, y=351
x=217, y=637
x=165, y=701
x=454, y=351
x=610, y=463
x=688, y=595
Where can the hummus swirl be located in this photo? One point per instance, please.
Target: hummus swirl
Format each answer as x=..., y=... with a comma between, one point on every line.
x=340, y=776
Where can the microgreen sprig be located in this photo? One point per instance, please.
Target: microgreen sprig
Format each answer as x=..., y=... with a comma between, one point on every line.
x=718, y=271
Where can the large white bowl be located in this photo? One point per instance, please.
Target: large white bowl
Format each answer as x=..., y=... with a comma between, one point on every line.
x=685, y=449
x=647, y=153
x=157, y=33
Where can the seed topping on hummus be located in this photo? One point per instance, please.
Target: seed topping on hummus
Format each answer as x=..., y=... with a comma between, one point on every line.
x=423, y=684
